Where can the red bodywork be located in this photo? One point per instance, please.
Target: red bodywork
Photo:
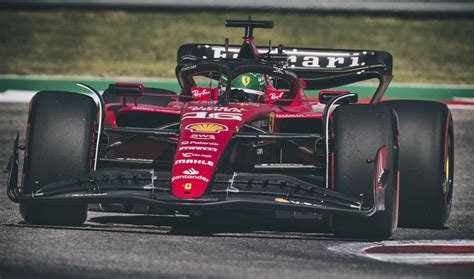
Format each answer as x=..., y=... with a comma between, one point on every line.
x=206, y=129
x=205, y=132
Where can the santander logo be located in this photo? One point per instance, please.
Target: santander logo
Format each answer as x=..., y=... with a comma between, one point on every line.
x=191, y=171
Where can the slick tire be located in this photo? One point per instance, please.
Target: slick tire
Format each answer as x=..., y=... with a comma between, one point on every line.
x=59, y=146
x=155, y=100
x=360, y=132
x=426, y=162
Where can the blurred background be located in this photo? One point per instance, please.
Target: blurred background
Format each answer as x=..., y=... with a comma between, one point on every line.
x=431, y=41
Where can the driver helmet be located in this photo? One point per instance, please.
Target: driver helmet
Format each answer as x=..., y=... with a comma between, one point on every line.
x=252, y=84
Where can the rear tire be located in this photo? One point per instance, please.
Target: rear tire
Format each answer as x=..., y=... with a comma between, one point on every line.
x=360, y=131
x=59, y=146
x=426, y=162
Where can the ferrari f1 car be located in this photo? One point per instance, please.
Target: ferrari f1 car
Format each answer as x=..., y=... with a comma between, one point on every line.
x=242, y=135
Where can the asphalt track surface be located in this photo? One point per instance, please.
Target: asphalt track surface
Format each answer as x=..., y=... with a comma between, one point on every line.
x=120, y=245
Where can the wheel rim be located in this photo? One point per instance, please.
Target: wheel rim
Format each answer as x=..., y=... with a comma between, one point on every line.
x=446, y=171
x=448, y=185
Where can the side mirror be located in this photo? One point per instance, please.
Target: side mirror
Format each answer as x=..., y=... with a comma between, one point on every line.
x=327, y=95
x=125, y=89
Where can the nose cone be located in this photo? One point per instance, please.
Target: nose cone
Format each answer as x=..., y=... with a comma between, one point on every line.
x=200, y=148
x=204, y=135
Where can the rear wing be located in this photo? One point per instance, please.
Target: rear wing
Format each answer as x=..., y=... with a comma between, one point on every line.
x=320, y=68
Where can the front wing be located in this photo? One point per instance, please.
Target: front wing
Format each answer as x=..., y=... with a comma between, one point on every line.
x=151, y=187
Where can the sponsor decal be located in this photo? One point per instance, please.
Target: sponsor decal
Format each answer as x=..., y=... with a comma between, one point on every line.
x=187, y=68
x=314, y=61
x=188, y=155
x=164, y=110
x=87, y=195
x=193, y=142
x=281, y=200
x=190, y=177
x=213, y=115
x=197, y=148
x=199, y=93
x=303, y=58
x=245, y=80
x=220, y=52
x=216, y=109
x=203, y=137
x=298, y=115
x=275, y=95
x=194, y=162
x=207, y=127
x=188, y=186
x=291, y=115
x=191, y=171
x=278, y=70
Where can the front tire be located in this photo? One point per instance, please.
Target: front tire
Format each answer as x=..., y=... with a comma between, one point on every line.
x=361, y=134
x=59, y=146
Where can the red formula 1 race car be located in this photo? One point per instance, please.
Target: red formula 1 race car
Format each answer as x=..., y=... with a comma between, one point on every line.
x=242, y=135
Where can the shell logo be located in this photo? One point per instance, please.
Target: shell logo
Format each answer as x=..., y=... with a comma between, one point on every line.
x=207, y=127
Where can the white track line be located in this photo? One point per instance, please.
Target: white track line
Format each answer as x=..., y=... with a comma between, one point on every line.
x=460, y=107
x=464, y=99
x=423, y=258
x=16, y=96
x=358, y=249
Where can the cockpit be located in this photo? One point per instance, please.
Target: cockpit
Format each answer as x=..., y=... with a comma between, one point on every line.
x=237, y=80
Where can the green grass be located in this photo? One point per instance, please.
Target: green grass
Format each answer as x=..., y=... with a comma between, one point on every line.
x=115, y=43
